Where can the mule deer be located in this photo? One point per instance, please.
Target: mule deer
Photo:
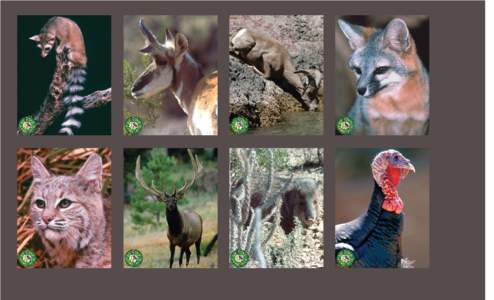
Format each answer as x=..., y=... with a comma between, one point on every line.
x=174, y=69
x=184, y=227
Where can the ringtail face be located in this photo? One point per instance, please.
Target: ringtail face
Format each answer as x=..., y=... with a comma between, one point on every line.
x=67, y=210
x=378, y=58
x=44, y=41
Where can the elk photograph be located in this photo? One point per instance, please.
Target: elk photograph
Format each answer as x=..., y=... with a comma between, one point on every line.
x=276, y=208
x=170, y=74
x=276, y=66
x=170, y=209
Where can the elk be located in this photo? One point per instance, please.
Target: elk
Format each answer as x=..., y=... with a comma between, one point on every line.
x=174, y=69
x=184, y=227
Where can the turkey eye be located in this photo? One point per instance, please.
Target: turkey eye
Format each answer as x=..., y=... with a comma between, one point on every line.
x=64, y=203
x=357, y=70
x=39, y=203
x=381, y=70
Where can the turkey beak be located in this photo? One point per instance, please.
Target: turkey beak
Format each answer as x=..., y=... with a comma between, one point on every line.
x=410, y=167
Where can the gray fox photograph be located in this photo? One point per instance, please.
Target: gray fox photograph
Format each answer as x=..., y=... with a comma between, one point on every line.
x=276, y=74
x=170, y=75
x=170, y=208
x=276, y=208
x=64, y=208
x=382, y=75
x=64, y=75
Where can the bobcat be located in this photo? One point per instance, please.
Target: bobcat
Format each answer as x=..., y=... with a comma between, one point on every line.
x=70, y=215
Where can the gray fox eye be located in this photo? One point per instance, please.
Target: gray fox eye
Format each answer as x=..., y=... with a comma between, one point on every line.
x=381, y=70
x=357, y=70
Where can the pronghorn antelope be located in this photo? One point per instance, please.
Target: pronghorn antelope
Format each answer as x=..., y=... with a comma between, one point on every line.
x=174, y=69
x=184, y=227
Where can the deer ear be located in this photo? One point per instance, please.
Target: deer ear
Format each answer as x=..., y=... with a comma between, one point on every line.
x=35, y=38
x=353, y=33
x=397, y=36
x=39, y=170
x=91, y=172
x=181, y=44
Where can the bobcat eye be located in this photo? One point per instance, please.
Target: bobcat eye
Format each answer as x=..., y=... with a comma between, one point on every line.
x=357, y=70
x=64, y=203
x=39, y=203
x=381, y=70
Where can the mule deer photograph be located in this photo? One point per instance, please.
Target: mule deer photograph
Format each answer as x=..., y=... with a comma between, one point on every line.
x=170, y=74
x=170, y=213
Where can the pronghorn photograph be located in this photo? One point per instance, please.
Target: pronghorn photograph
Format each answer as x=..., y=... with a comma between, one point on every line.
x=170, y=208
x=170, y=74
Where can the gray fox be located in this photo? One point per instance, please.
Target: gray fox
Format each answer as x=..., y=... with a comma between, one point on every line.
x=70, y=40
x=392, y=84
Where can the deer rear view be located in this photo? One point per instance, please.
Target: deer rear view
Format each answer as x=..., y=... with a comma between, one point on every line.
x=184, y=227
x=174, y=69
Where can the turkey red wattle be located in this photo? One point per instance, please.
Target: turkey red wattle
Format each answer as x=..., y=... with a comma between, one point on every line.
x=389, y=183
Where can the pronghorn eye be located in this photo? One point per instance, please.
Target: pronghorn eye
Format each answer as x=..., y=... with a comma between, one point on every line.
x=40, y=203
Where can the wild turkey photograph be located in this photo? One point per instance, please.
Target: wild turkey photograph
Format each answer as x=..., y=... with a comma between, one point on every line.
x=382, y=208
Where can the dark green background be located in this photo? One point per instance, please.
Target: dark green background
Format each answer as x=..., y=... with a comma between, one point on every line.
x=35, y=73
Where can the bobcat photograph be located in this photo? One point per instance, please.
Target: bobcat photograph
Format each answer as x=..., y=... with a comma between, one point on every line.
x=64, y=208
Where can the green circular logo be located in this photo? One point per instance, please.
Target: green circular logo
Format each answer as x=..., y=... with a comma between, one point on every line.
x=133, y=258
x=239, y=258
x=27, y=125
x=133, y=125
x=345, y=258
x=27, y=258
x=344, y=125
x=239, y=125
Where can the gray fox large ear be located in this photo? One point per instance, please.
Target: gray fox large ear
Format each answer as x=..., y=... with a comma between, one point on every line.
x=354, y=34
x=397, y=36
x=35, y=38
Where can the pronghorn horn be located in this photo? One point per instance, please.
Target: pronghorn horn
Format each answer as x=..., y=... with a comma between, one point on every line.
x=149, y=35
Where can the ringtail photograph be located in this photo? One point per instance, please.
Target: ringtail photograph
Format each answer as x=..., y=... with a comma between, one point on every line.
x=64, y=208
x=170, y=75
x=276, y=208
x=382, y=208
x=382, y=75
x=170, y=208
x=276, y=70
x=64, y=75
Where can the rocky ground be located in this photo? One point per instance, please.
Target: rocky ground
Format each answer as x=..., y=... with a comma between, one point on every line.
x=261, y=101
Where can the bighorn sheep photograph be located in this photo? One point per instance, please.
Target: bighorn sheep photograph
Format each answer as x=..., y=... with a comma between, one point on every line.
x=276, y=71
x=276, y=208
x=170, y=212
x=170, y=75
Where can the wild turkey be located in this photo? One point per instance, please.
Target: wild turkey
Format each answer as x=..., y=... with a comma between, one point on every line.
x=373, y=240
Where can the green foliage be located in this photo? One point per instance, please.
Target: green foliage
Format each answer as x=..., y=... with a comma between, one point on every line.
x=280, y=160
x=128, y=78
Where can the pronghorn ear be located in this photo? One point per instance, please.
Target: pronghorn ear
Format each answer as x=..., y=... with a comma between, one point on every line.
x=181, y=44
x=168, y=35
x=35, y=38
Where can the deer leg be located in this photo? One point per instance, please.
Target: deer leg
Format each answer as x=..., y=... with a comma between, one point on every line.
x=180, y=259
x=172, y=254
x=187, y=257
x=198, y=250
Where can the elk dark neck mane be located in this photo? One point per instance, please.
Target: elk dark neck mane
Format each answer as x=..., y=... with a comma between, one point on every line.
x=187, y=75
x=175, y=223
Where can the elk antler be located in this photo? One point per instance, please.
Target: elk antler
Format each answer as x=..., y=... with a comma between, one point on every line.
x=152, y=190
x=196, y=169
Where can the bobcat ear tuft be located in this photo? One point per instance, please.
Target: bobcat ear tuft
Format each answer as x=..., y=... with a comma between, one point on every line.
x=38, y=169
x=92, y=171
x=397, y=36
x=35, y=38
x=181, y=44
x=354, y=34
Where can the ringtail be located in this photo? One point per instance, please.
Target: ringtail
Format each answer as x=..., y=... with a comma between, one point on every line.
x=71, y=216
x=66, y=35
x=392, y=84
